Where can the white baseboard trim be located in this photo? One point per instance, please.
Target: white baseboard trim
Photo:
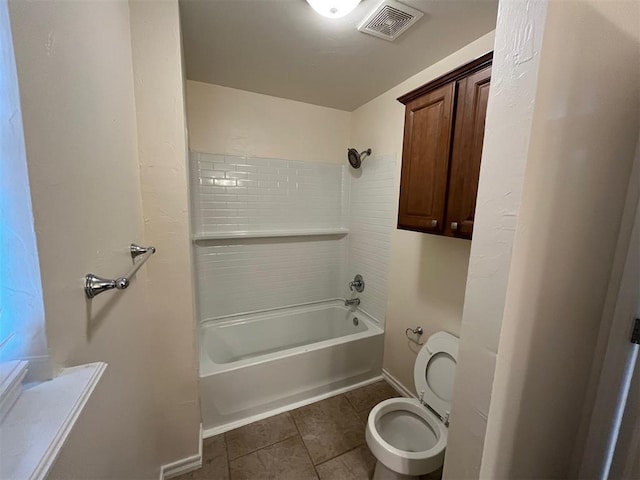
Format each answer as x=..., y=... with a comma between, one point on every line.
x=211, y=432
x=395, y=383
x=184, y=465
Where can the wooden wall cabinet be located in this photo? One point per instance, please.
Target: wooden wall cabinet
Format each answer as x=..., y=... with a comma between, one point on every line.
x=443, y=135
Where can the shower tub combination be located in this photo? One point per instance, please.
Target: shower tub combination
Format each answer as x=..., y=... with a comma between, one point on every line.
x=256, y=365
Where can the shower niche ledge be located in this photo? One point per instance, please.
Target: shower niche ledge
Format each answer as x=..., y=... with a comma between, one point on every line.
x=304, y=232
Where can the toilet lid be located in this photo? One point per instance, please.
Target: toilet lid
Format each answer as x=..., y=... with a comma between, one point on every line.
x=434, y=371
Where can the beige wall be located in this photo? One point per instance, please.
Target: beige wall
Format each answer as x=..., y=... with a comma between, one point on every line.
x=88, y=189
x=162, y=147
x=74, y=67
x=427, y=273
x=507, y=132
x=229, y=121
x=585, y=128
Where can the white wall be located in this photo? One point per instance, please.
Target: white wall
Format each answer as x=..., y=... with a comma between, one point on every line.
x=79, y=109
x=235, y=122
x=256, y=194
x=372, y=217
x=583, y=136
x=246, y=275
x=426, y=272
x=162, y=148
x=21, y=308
x=234, y=194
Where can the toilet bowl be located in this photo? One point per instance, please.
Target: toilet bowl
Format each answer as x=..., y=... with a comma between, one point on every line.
x=408, y=436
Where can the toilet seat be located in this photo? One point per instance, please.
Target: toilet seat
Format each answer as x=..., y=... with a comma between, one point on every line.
x=434, y=370
x=433, y=375
x=404, y=461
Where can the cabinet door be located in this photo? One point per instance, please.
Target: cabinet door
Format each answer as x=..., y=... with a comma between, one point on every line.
x=471, y=109
x=425, y=160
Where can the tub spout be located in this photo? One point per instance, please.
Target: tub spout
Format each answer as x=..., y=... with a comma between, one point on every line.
x=352, y=302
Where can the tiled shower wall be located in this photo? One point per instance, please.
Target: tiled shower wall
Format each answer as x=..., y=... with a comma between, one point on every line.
x=245, y=275
x=251, y=194
x=239, y=194
x=371, y=223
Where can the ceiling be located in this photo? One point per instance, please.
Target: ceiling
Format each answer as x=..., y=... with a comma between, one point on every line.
x=285, y=49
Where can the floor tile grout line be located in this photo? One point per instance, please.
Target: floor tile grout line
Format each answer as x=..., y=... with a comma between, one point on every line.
x=355, y=411
x=343, y=453
x=226, y=449
x=350, y=404
x=262, y=448
x=335, y=396
x=358, y=412
x=295, y=424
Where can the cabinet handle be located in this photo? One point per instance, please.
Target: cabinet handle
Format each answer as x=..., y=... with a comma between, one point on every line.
x=454, y=225
x=434, y=223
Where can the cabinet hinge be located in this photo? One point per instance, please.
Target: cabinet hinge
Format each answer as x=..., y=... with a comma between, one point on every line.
x=635, y=335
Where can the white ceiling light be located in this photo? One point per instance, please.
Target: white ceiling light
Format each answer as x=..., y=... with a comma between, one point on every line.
x=333, y=8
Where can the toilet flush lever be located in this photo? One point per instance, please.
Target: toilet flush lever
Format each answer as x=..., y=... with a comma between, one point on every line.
x=418, y=331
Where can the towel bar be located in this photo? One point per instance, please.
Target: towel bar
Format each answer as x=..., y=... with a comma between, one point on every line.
x=94, y=285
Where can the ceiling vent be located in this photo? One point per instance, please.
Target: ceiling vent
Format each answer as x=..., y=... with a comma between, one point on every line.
x=389, y=20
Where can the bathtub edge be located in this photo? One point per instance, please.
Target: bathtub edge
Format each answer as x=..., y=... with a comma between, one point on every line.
x=211, y=432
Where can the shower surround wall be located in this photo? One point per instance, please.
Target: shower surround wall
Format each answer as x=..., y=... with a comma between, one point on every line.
x=242, y=197
x=323, y=222
x=245, y=194
x=372, y=215
x=247, y=275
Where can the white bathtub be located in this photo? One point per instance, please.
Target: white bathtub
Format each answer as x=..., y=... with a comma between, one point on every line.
x=252, y=366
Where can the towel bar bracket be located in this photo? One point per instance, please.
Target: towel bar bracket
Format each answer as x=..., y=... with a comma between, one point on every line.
x=137, y=250
x=95, y=285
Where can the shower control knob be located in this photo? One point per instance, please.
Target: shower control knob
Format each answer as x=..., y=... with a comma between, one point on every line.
x=454, y=225
x=357, y=284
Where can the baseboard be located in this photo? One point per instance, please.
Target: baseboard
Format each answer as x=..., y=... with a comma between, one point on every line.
x=395, y=383
x=184, y=465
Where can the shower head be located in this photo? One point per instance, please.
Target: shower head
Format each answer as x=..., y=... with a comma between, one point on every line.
x=355, y=158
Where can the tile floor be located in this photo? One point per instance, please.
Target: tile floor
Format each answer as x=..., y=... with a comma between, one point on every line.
x=323, y=440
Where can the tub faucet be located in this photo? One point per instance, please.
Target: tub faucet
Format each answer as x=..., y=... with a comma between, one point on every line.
x=352, y=302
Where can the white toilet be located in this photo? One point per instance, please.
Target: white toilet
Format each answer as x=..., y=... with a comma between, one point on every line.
x=408, y=436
